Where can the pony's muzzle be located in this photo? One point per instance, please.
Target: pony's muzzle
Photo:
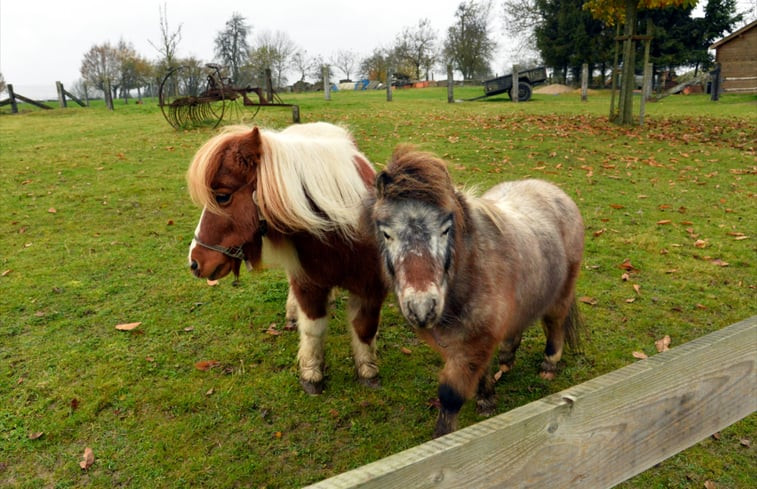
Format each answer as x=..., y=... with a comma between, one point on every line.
x=422, y=308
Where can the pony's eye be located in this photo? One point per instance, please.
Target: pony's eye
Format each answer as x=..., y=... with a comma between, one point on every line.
x=445, y=232
x=223, y=199
x=387, y=236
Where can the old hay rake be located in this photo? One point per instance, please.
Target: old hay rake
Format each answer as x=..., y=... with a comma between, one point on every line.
x=186, y=101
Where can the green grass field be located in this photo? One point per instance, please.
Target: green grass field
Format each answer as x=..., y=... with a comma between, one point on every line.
x=95, y=227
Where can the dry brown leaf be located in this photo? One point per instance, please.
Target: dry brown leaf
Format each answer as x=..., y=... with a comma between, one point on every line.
x=640, y=355
x=662, y=344
x=719, y=262
x=625, y=277
x=5, y=273
x=272, y=330
x=52, y=210
x=708, y=484
x=207, y=364
x=599, y=232
x=588, y=300
x=630, y=300
x=745, y=442
x=88, y=458
x=664, y=221
x=626, y=265
x=700, y=243
x=406, y=351
x=637, y=288
x=36, y=435
x=617, y=206
x=210, y=392
x=498, y=375
x=127, y=326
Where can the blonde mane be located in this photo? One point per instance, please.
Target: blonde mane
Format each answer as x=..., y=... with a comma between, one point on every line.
x=308, y=179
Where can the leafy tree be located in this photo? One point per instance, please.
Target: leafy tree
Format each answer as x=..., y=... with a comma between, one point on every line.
x=416, y=46
x=375, y=66
x=231, y=47
x=469, y=46
x=100, y=68
x=626, y=12
x=134, y=70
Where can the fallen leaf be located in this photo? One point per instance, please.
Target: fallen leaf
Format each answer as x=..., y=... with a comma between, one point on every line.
x=588, y=300
x=406, y=351
x=170, y=222
x=189, y=328
x=626, y=265
x=639, y=354
x=700, y=243
x=625, y=277
x=36, y=435
x=716, y=435
x=272, y=330
x=88, y=458
x=150, y=359
x=210, y=392
x=664, y=221
x=637, y=288
x=617, y=206
x=5, y=273
x=52, y=210
x=278, y=435
x=662, y=344
x=745, y=442
x=127, y=326
x=207, y=364
x=498, y=375
x=630, y=300
x=74, y=404
x=719, y=262
x=599, y=232
x=708, y=484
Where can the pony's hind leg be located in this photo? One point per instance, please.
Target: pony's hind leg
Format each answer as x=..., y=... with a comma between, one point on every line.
x=560, y=326
x=364, y=317
x=292, y=310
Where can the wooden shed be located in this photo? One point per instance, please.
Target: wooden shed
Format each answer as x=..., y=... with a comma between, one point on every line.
x=737, y=57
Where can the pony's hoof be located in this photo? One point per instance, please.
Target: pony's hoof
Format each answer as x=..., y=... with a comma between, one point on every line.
x=312, y=388
x=486, y=407
x=373, y=382
x=548, y=370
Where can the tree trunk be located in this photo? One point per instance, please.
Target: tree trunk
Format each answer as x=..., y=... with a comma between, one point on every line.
x=625, y=113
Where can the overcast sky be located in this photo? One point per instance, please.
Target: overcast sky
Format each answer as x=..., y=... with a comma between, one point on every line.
x=42, y=41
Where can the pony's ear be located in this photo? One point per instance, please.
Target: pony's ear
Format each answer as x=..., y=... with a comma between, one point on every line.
x=382, y=180
x=250, y=147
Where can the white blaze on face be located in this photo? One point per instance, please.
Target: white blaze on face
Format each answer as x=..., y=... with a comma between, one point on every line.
x=193, y=244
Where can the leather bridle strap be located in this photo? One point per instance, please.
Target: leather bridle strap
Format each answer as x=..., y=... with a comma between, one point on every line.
x=235, y=252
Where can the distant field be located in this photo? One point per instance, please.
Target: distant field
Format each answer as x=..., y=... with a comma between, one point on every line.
x=96, y=224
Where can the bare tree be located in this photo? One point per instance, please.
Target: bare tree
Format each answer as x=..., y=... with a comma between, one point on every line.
x=520, y=19
x=416, y=46
x=346, y=61
x=273, y=50
x=3, y=86
x=169, y=41
x=100, y=68
x=231, y=47
x=375, y=66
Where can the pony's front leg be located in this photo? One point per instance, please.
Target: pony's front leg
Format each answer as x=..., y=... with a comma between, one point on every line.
x=364, y=318
x=457, y=383
x=312, y=321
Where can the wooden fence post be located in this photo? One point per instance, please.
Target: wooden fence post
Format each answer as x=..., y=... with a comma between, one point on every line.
x=584, y=82
x=516, y=85
x=12, y=96
x=326, y=82
x=450, y=85
x=389, y=75
x=61, y=95
x=296, y=114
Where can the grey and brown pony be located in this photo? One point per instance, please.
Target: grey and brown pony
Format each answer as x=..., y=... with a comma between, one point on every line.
x=471, y=274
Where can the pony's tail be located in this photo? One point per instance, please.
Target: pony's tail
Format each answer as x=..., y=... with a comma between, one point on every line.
x=574, y=327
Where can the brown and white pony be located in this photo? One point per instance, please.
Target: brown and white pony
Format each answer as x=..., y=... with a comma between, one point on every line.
x=473, y=273
x=293, y=198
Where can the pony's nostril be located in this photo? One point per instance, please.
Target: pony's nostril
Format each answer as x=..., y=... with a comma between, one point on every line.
x=194, y=265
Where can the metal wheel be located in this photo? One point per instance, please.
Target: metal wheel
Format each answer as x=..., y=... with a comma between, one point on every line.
x=185, y=102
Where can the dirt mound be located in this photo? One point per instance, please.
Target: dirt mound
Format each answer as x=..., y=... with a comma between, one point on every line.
x=554, y=89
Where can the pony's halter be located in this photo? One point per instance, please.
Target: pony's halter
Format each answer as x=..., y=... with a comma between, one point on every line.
x=235, y=252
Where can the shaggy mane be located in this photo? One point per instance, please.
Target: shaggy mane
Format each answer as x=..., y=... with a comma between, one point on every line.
x=416, y=175
x=311, y=177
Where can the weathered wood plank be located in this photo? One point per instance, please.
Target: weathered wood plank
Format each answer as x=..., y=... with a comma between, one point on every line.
x=595, y=434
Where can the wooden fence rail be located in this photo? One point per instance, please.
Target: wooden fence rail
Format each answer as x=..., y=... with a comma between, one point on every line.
x=596, y=434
